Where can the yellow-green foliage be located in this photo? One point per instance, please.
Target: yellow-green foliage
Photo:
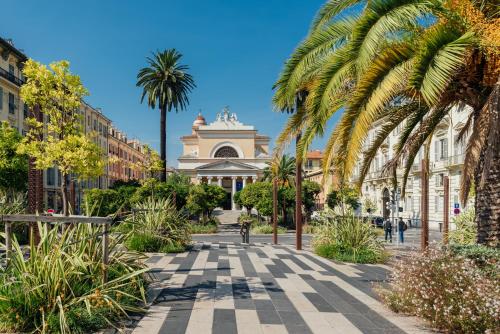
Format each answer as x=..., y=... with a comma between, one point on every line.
x=59, y=287
x=60, y=141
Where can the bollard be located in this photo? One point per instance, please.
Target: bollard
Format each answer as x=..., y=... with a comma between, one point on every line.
x=245, y=231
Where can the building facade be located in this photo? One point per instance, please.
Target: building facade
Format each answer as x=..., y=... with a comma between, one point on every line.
x=124, y=154
x=95, y=124
x=12, y=108
x=225, y=152
x=446, y=159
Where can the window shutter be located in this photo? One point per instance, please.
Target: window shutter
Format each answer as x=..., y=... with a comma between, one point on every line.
x=436, y=150
x=445, y=144
x=1, y=98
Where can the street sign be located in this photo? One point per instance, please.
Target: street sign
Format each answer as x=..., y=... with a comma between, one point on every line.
x=456, y=205
x=456, y=211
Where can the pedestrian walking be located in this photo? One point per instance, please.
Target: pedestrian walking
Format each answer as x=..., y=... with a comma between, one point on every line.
x=402, y=227
x=388, y=230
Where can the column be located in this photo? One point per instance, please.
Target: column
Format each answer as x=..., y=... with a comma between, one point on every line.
x=244, y=181
x=209, y=180
x=199, y=179
x=233, y=205
x=254, y=179
x=219, y=181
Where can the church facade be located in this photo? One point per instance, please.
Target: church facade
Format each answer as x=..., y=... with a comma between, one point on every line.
x=225, y=152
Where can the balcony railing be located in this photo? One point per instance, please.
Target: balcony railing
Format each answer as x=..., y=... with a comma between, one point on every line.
x=456, y=159
x=11, y=77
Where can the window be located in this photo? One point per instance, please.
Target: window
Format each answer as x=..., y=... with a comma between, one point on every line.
x=51, y=178
x=459, y=146
x=11, y=69
x=12, y=106
x=95, y=125
x=439, y=180
x=441, y=149
x=309, y=163
x=1, y=98
x=226, y=152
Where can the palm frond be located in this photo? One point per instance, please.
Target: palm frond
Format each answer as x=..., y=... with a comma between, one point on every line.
x=330, y=11
x=441, y=54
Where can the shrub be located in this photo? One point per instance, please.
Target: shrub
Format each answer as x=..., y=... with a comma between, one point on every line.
x=202, y=229
x=466, y=230
x=348, y=238
x=204, y=198
x=266, y=229
x=156, y=224
x=59, y=288
x=106, y=202
x=486, y=258
x=177, y=185
x=308, y=229
x=11, y=203
x=448, y=290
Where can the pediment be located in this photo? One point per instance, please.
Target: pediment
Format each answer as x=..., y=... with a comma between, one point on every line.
x=226, y=165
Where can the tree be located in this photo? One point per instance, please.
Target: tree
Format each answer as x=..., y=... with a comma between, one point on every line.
x=310, y=192
x=60, y=142
x=257, y=195
x=167, y=84
x=204, y=198
x=13, y=166
x=283, y=170
x=342, y=197
x=151, y=164
x=176, y=187
x=385, y=63
x=369, y=206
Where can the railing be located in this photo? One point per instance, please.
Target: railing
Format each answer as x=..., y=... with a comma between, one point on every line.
x=19, y=219
x=456, y=159
x=11, y=77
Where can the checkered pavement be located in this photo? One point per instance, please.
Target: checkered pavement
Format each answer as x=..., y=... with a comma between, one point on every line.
x=225, y=288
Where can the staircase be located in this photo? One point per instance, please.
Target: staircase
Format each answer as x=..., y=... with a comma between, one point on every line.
x=228, y=220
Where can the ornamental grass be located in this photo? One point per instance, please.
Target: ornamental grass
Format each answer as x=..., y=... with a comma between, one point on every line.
x=57, y=286
x=450, y=291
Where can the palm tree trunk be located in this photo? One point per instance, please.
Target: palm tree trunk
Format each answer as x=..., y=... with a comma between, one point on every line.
x=163, y=143
x=298, y=197
x=487, y=181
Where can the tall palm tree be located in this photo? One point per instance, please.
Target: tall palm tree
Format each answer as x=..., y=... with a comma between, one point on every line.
x=403, y=62
x=283, y=171
x=167, y=84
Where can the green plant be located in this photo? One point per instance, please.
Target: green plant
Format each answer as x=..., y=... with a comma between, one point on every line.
x=59, y=286
x=343, y=197
x=155, y=224
x=406, y=65
x=348, y=238
x=11, y=203
x=202, y=229
x=266, y=229
x=465, y=231
x=13, y=166
x=167, y=84
x=448, y=290
x=487, y=259
x=308, y=229
x=204, y=198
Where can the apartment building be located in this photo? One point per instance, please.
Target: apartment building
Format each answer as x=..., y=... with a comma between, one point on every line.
x=12, y=109
x=96, y=124
x=313, y=160
x=124, y=154
x=446, y=159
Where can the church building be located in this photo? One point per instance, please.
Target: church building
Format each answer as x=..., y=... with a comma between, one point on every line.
x=225, y=152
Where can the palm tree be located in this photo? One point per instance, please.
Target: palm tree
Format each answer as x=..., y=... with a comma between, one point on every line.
x=282, y=171
x=403, y=62
x=167, y=84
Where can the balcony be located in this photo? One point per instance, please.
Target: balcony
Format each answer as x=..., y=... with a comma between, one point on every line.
x=456, y=160
x=11, y=77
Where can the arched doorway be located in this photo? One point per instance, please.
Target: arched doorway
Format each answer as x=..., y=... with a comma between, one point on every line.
x=386, y=198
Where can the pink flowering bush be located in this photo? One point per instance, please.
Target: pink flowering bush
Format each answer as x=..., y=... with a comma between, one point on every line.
x=449, y=291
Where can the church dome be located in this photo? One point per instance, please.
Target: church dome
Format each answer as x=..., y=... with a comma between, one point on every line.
x=200, y=120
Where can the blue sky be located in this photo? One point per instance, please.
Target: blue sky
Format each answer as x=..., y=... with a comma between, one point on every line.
x=235, y=50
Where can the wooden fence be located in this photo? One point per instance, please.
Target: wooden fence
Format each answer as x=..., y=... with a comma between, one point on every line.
x=8, y=220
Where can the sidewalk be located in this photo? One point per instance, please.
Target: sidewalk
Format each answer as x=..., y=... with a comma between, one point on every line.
x=225, y=288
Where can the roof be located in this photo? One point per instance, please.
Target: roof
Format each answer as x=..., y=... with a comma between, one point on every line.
x=316, y=154
x=8, y=46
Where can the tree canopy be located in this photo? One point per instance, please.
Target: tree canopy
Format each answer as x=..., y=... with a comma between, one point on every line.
x=13, y=166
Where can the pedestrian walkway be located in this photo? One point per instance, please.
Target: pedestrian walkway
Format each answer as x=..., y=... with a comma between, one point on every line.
x=226, y=288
